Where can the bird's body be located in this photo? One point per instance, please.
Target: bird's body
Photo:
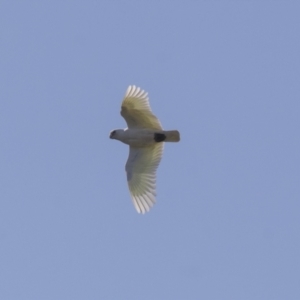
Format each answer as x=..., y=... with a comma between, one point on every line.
x=145, y=138
x=136, y=137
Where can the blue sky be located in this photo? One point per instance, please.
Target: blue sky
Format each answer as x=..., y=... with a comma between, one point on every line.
x=226, y=223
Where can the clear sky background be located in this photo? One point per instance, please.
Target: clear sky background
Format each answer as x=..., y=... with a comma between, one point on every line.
x=227, y=220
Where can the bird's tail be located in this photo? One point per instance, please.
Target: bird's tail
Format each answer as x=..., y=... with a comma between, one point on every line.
x=172, y=136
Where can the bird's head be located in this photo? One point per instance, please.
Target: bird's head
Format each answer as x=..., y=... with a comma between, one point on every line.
x=116, y=134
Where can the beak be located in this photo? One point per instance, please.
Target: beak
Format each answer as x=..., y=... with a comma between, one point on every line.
x=112, y=133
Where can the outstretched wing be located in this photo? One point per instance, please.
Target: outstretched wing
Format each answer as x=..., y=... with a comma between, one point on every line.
x=141, y=175
x=136, y=110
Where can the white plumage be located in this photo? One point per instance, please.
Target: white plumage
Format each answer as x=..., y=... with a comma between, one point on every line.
x=145, y=138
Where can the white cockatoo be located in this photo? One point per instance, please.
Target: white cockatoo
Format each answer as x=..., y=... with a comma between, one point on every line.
x=145, y=138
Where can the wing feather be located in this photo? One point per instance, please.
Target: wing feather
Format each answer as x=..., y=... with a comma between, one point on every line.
x=136, y=110
x=141, y=169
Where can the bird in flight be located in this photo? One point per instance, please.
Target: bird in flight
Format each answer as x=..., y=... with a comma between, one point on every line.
x=145, y=137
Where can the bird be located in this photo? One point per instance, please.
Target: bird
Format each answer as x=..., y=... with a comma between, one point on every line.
x=145, y=137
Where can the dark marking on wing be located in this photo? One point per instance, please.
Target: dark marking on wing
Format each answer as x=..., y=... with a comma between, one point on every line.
x=159, y=137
